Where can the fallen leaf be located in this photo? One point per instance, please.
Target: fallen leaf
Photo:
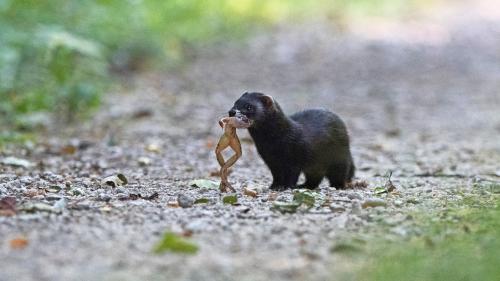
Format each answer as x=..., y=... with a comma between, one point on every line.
x=249, y=192
x=144, y=161
x=19, y=243
x=114, y=181
x=172, y=242
x=201, y=201
x=286, y=207
x=387, y=188
x=230, y=199
x=202, y=183
x=210, y=143
x=344, y=247
x=152, y=147
x=8, y=206
x=142, y=113
x=304, y=197
x=379, y=190
x=135, y=196
x=68, y=149
x=54, y=189
x=16, y=162
x=308, y=197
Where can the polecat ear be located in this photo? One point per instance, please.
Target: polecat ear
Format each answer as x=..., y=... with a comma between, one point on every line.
x=267, y=101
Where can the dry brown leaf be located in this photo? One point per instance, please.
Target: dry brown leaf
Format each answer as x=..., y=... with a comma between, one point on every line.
x=68, y=149
x=19, y=243
x=250, y=192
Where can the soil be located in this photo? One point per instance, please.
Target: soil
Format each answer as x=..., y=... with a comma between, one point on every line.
x=421, y=100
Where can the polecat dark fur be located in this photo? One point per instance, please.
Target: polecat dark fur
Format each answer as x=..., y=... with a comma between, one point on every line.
x=313, y=141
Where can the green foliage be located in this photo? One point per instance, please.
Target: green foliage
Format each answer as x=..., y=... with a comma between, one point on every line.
x=462, y=245
x=230, y=199
x=55, y=56
x=173, y=243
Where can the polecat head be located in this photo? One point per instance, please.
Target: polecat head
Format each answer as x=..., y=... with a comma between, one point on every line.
x=255, y=106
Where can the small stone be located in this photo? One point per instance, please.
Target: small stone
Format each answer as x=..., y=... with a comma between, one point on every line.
x=355, y=207
x=196, y=226
x=144, y=161
x=412, y=201
x=60, y=205
x=373, y=202
x=173, y=204
x=104, y=197
x=354, y=196
x=398, y=203
x=185, y=201
x=337, y=208
x=77, y=192
x=84, y=205
x=53, y=197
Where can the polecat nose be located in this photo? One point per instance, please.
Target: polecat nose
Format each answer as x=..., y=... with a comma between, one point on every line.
x=232, y=112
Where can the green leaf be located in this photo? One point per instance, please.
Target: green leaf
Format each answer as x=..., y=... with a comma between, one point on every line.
x=230, y=199
x=201, y=201
x=202, y=183
x=379, y=190
x=171, y=242
x=308, y=197
x=286, y=207
x=122, y=178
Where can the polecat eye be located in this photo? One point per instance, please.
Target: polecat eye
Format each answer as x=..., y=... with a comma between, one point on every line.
x=249, y=107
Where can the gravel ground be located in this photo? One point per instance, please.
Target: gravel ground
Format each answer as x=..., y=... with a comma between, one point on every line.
x=424, y=106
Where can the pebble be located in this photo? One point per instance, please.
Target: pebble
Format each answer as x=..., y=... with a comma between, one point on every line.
x=196, y=226
x=398, y=203
x=354, y=196
x=77, y=192
x=373, y=202
x=104, y=197
x=53, y=197
x=60, y=205
x=355, y=207
x=121, y=190
x=185, y=201
x=337, y=208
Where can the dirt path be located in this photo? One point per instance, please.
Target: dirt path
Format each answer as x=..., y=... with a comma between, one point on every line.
x=424, y=107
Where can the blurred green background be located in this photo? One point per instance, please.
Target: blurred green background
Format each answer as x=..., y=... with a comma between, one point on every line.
x=60, y=56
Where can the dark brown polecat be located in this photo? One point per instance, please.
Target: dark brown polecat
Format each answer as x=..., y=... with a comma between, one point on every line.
x=313, y=141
